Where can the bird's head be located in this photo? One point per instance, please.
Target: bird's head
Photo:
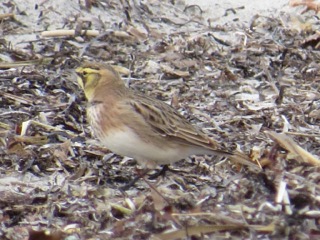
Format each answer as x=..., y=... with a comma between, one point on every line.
x=97, y=76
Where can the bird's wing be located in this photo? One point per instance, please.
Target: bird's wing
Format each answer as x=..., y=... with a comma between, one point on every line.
x=166, y=121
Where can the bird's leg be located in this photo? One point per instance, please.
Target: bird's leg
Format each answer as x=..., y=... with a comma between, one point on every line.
x=161, y=172
x=140, y=174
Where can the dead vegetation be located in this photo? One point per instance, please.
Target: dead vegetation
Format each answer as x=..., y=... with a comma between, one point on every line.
x=255, y=88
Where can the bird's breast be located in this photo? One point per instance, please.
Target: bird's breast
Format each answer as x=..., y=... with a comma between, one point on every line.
x=101, y=119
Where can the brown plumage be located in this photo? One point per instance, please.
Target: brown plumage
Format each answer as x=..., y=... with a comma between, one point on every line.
x=138, y=126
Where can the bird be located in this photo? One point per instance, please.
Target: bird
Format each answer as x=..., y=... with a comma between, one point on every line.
x=132, y=124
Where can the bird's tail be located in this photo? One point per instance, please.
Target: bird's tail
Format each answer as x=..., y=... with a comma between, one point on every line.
x=239, y=157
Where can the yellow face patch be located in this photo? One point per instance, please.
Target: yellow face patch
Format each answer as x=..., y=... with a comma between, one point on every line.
x=88, y=79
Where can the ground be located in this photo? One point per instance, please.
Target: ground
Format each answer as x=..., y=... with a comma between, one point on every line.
x=249, y=79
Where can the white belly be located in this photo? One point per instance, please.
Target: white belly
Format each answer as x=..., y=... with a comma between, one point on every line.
x=127, y=143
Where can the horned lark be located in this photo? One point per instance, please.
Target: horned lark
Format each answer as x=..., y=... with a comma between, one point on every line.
x=135, y=125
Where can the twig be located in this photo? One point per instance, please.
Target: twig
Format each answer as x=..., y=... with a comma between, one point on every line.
x=65, y=33
x=303, y=134
x=42, y=61
x=6, y=15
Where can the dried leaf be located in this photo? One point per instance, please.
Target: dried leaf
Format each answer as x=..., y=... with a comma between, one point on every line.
x=174, y=72
x=310, y=5
x=287, y=143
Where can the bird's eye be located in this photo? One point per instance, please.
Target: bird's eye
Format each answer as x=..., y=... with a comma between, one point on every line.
x=84, y=73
